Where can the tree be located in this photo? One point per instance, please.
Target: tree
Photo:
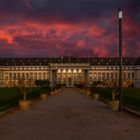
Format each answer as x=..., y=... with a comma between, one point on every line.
x=44, y=84
x=25, y=86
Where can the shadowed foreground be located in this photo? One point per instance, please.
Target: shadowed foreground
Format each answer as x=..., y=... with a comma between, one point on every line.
x=69, y=116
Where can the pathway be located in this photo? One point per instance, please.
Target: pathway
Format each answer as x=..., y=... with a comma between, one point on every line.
x=69, y=116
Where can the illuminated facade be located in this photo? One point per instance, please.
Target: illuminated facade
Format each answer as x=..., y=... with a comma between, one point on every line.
x=68, y=70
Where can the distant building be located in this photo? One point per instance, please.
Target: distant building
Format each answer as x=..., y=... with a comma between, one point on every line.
x=68, y=70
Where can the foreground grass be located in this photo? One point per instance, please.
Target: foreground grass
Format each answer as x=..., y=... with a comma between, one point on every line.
x=9, y=97
x=131, y=96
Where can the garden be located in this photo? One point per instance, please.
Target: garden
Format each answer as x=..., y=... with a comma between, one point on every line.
x=22, y=93
x=131, y=96
x=9, y=97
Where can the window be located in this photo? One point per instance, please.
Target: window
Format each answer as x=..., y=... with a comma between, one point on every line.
x=107, y=75
x=129, y=76
x=39, y=75
x=18, y=75
x=111, y=74
x=44, y=75
x=103, y=75
x=69, y=71
x=124, y=76
x=59, y=71
x=79, y=71
x=10, y=75
x=64, y=71
x=35, y=75
x=133, y=75
x=14, y=76
x=116, y=75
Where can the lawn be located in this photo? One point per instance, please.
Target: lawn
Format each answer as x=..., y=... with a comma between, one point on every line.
x=9, y=97
x=131, y=96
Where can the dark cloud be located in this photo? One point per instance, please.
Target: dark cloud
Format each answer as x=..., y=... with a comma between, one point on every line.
x=7, y=50
x=68, y=11
x=55, y=27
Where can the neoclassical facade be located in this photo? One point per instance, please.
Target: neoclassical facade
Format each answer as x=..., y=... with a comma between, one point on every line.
x=68, y=70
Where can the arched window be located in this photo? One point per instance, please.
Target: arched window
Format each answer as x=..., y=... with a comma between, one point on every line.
x=74, y=71
x=79, y=71
x=69, y=71
x=64, y=71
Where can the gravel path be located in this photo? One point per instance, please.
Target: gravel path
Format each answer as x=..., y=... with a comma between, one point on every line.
x=69, y=116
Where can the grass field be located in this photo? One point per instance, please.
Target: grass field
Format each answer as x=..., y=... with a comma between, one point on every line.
x=131, y=96
x=9, y=97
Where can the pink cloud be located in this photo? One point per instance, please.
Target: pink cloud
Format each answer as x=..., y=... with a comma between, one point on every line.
x=61, y=38
x=96, y=31
x=5, y=36
x=80, y=43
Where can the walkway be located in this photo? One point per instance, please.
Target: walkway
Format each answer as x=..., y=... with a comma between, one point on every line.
x=69, y=116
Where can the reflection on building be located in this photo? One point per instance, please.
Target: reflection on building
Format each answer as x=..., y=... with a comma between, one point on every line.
x=68, y=70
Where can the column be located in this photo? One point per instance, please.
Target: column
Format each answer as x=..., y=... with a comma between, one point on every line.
x=72, y=78
x=51, y=78
x=86, y=76
x=57, y=76
x=61, y=77
x=66, y=77
x=83, y=75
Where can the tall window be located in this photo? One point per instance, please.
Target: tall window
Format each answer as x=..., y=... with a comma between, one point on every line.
x=44, y=75
x=14, y=76
x=107, y=76
x=103, y=75
x=129, y=76
x=132, y=75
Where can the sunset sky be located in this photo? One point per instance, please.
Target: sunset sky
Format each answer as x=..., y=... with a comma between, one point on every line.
x=49, y=28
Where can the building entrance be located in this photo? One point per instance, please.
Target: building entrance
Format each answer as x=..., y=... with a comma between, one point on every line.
x=70, y=84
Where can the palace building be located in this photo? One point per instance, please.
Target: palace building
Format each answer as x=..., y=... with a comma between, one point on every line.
x=68, y=70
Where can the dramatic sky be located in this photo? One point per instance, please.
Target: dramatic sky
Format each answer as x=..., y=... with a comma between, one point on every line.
x=68, y=27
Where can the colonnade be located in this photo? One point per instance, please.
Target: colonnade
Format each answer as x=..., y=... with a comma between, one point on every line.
x=68, y=77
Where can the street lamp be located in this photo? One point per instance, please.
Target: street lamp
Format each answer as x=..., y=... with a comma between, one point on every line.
x=120, y=60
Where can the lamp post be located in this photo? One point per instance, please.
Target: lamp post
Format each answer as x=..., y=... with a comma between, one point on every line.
x=120, y=60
